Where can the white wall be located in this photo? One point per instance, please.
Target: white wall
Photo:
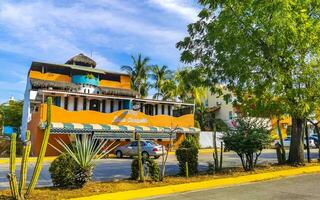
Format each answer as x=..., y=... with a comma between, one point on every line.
x=206, y=139
x=26, y=115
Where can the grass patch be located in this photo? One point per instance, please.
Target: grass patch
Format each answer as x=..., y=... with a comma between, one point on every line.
x=94, y=188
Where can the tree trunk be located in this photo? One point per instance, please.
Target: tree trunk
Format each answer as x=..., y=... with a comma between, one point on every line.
x=283, y=151
x=307, y=141
x=318, y=133
x=296, y=154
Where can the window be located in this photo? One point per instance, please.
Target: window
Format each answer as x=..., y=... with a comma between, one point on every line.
x=84, y=104
x=66, y=103
x=162, y=109
x=134, y=144
x=169, y=109
x=75, y=105
x=103, y=106
x=119, y=105
x=111, y=106
x=57, y=101
x=156, y=113
x=141, y=107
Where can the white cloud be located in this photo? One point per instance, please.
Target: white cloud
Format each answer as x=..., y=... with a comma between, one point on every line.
x=182, y=8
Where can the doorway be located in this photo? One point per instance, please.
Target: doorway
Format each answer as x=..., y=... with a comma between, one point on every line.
x=95, y=105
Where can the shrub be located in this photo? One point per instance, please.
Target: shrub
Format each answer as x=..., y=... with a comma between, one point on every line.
x=152, y=166
x=188, y=152
x=62, y=171
x=84, y=152
x=153, y=169
x=211, y=168
x=248, y=139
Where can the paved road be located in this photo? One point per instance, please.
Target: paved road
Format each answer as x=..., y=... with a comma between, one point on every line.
x=298, y=187
x=109, y=169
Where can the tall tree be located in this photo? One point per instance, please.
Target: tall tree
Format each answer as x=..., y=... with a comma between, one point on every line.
x=138, y=73
x=259, y=47
x=160, y=75
x=189, y=85
x=11, y=113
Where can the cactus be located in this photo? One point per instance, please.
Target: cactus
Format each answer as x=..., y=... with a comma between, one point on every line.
x=24, y=162
x=141, y=173
x=12, y=174
x=17, y=190
x=43, y=149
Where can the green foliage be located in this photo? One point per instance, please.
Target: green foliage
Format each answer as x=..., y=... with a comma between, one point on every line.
x=188, y=152
x=12, y=172
x=248, y=139
x=138, y=73
x=135, y=169
x=211, y=167
x=90, y=76
x=190, y=85
x=152, y=166
x=161, y=77
x=62, y=171
x=11, y=113
x=84, y=152
x=43, y=148
x=24, y=162
x=264, y=49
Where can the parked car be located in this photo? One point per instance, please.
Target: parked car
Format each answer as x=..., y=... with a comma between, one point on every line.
x=312, y=142
x=148, y=148
x=315, y=138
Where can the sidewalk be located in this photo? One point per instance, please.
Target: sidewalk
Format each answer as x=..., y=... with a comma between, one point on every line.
x=165, y=190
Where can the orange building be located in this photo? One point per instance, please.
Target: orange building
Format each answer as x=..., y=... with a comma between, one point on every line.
x=97, y=102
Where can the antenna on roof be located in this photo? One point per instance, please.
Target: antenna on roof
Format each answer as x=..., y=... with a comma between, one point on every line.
x=91, y=54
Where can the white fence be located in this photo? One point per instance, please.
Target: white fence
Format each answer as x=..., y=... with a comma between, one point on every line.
x=206, y=139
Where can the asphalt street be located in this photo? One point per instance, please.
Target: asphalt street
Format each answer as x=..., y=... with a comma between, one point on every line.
x=297, y=187
x=109, y=169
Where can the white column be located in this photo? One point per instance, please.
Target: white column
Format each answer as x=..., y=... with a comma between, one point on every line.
x=108, y=106
x=159, y=109
x=62, y=102
x=88, y=104
x=70, y=103
x=115, y=105
x=165, y=109
x=80, y=103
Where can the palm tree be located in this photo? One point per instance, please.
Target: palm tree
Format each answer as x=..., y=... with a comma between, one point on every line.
x=160, y=75
x=169, y=90
x=189, y=86
x=138, y=73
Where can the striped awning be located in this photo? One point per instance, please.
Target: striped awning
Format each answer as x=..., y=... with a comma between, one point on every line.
x=79, y=128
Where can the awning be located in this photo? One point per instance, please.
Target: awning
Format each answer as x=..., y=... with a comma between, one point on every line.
x=118, y=131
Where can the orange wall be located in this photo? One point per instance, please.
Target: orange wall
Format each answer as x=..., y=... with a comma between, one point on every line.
x=125, y=83
x=121, y=117
x=285, y=121
x=49, y=76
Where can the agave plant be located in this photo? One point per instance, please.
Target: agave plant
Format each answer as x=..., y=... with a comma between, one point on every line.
x=84, y=152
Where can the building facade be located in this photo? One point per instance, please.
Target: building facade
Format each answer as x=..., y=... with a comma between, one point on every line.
x=87, y=100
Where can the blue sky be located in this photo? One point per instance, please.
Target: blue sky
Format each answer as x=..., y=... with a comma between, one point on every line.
x=55, y=30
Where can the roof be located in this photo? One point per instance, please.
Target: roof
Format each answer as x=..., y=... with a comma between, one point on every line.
x=82, y=60
x=76, y=67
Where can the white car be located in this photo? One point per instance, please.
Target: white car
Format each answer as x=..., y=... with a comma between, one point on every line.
x=287, y=141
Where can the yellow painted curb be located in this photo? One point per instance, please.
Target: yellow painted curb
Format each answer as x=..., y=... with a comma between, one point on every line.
x=31, y=159
x=170, y=189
